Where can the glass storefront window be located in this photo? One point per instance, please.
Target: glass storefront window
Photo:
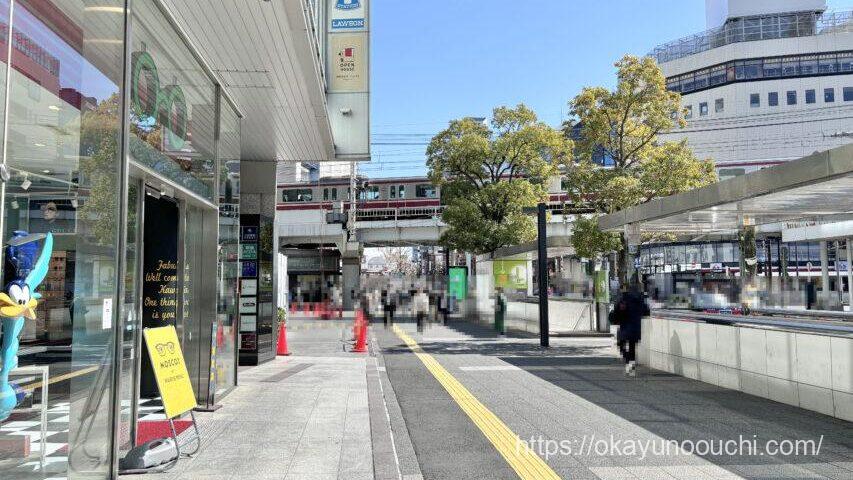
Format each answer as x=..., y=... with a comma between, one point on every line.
x=64, y=154
x=172, y=105
x=229, y=251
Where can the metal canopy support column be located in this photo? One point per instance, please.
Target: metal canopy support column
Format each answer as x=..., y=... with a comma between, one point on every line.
x=825, y=292
x=350, y=280
x=850, y=272
x=633, y=240
x=542, y=257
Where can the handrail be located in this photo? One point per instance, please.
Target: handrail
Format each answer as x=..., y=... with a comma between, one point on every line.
x=843, y=316
x=829, y=327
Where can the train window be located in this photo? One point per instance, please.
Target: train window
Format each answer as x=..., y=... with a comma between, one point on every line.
x=425, y=191
x=334, y=194
x=297, y=195
x=392, y=191
x=369, y=193
x=325, y=194
x=401, y=190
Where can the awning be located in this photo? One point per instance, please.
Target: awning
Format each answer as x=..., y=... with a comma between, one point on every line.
x=814, y=189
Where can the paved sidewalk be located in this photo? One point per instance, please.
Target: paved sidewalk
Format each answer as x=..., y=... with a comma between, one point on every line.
x=576, y=393
x=302, y=417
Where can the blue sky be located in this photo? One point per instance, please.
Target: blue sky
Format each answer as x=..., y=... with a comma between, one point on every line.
x=435, y=60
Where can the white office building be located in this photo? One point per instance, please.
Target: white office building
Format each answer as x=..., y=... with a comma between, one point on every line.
x=770, y=81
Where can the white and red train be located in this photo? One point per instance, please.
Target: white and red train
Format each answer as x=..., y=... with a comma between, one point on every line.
x=381, y=197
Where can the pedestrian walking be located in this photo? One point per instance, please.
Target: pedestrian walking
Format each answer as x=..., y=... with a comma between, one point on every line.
x=420, y=305
x=628, y=314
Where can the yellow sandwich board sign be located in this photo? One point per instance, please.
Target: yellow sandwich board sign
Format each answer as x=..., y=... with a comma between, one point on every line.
x=170, y=370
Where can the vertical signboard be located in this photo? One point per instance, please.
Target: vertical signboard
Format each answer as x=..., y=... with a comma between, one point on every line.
x=457, y=283
x=348, y=76
x=160, y=277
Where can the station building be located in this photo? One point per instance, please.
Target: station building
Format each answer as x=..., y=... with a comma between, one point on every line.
x=768, y=82
x=143, y=135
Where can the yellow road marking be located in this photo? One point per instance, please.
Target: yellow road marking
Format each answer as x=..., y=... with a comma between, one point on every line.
x=518, y=454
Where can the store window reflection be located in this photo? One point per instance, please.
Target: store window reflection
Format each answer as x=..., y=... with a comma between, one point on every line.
x=63, y=151
x=172, y=112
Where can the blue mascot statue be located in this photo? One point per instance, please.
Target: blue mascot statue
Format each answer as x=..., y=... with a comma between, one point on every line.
x=18, y=303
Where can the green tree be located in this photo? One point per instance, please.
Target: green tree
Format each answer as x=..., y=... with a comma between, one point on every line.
x=99, y=162
x=489, y=173
x=624, y=125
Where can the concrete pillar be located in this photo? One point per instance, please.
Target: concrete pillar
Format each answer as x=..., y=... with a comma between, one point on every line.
x=633, y=239
x=824, y=274
x=850, y=272
x=350, y=280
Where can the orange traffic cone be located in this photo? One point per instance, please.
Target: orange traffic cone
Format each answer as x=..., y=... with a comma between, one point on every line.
x=282, y=340
x=355, y=329
x=361, y=339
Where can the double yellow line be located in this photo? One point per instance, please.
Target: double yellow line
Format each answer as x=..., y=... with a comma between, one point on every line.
x=518, y=454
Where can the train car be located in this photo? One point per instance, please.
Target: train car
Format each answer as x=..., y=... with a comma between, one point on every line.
x=383, y=198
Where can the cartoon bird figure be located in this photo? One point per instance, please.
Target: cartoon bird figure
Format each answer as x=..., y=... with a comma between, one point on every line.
x=18, y=303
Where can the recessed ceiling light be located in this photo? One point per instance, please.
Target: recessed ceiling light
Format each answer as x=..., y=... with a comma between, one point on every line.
x=46, y=170
x=39, y=144
x=104, y=9
x=55, y=108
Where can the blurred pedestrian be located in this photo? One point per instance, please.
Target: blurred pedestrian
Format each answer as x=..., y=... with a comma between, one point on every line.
x=628, y=314
x=420, y=305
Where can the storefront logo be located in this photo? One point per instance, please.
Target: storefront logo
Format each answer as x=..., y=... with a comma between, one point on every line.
x=166, y=106
x=347, y=4
x=347, y=23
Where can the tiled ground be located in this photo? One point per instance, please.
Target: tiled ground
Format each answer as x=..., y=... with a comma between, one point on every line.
x=55, y=463
x=299, y=417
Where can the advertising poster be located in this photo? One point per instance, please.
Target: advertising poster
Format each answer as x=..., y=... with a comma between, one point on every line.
x=457, y=282
x=52, y=215
x=249, y=269
x=248, y=251
x=248, y=323
x=249, y=234
x=348, y=59
x=170, y=370
x=249, y=286
x=510, y=274
x=248, y=304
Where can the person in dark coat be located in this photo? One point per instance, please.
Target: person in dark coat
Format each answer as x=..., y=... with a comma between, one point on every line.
x=628, y=314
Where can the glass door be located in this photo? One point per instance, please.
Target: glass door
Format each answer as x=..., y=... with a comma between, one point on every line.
x=132, y=323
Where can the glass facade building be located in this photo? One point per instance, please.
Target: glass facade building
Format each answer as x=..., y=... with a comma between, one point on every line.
x=118, y=142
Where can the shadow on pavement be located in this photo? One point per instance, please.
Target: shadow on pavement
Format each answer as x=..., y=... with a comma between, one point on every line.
x=669, y=406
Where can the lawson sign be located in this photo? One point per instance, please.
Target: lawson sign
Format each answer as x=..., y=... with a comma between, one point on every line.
x=348, y=15
x=347, y=23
